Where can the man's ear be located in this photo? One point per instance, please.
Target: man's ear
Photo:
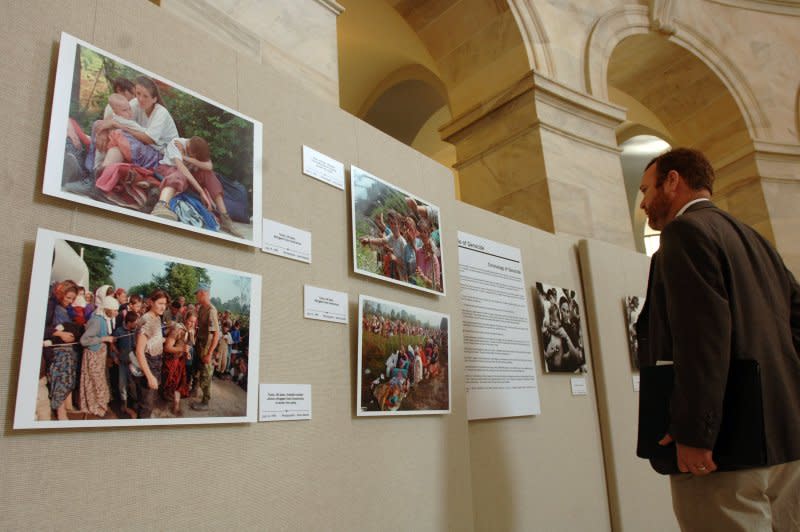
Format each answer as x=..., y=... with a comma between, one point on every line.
x=672, y=181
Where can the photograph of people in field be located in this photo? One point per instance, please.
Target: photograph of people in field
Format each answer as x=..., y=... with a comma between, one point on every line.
x=127, y=140
x=396, y=236
x=403, y=359
x=116, y=336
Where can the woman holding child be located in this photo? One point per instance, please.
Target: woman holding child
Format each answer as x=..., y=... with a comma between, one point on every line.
x=144, y=134
x=145, y=145
x=62, y=361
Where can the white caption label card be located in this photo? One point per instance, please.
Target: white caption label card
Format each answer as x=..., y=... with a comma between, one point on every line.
x=636, y=383
x=320, y=166
x=325, y=305
x=284, y=402
x=286, y=241
x=578, y=385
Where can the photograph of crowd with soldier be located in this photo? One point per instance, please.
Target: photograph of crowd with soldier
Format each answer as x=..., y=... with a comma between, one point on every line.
x=129, y=336
x=403, y=360
x=129, y=141
x=396, y=236
x=560, y=332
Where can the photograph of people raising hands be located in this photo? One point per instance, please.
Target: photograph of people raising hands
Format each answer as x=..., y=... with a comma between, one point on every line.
x=396, y=236
x=141, y=145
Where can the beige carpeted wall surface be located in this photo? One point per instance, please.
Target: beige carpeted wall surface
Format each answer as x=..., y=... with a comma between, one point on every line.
x=640, y=499
x=335, y=472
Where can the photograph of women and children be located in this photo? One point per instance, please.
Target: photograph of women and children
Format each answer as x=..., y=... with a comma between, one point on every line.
x=116, y=336
x=396, y=235
x=126, y=140
x=403, y=359
x=560, y=332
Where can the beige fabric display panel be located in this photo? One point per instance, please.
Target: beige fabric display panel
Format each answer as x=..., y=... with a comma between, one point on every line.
x=639, y=497
x=540, y=472
x=335, y=472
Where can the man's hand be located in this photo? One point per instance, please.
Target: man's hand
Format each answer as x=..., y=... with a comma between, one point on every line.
x=694, y=460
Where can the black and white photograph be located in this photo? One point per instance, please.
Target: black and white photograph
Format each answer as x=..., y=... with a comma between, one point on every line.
x=396, y=236
x=559, y=315
x=121, y=337
x=126, y=140
x=632, y=306
x=403, y=359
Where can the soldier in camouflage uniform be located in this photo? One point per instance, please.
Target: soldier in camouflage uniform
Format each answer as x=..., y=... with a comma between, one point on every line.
x=208, y=331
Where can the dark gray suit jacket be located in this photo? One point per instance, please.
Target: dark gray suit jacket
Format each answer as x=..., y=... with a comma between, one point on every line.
x=719, y=291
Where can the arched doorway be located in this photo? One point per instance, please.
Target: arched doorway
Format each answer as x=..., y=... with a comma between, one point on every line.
x=637, y=151
x=410, y=67
x=670, y=90
x=410, y=105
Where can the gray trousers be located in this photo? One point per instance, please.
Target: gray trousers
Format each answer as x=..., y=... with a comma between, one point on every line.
x=751, y=500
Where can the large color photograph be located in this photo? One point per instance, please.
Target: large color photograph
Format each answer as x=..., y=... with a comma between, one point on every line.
x=560, y=332
x=117, y=336
x=396, y=235
x=403, y=359
x=129, y=141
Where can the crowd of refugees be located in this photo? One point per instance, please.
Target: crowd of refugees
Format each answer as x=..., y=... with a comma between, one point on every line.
x=410, y=364
x=109, y=346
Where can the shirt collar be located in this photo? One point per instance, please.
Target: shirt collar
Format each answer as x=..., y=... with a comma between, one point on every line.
x=683, y=209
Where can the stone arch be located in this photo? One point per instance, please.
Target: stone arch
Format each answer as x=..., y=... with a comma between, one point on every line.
x=694, y=89
x=754, y=116
x=415, y=72
x=623, y=22
x=534, y=35
x=605, y=35
x=403, y=102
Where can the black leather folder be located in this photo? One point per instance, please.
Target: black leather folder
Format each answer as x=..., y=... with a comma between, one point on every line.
x=740, y=442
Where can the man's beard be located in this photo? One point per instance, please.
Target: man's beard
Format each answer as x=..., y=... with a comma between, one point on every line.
x=658, y=211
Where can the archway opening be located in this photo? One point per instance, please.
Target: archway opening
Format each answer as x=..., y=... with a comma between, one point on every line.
x=673, y=96
x=404, y=108
x=394, y=55
x=636, y=153
x=681, y=92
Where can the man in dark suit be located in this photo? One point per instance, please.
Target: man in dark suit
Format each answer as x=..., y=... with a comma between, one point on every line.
x=718, y=291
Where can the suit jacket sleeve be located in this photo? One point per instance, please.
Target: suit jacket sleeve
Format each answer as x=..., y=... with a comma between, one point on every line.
x=697, y=305
x=794, y=318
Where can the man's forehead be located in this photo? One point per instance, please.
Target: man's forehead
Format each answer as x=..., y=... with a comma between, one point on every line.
x=648, y=177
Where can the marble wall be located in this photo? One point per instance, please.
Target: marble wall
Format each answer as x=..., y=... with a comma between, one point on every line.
x=717, y=75
x=476, y=45
x=297, y=37
x=545, y=155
